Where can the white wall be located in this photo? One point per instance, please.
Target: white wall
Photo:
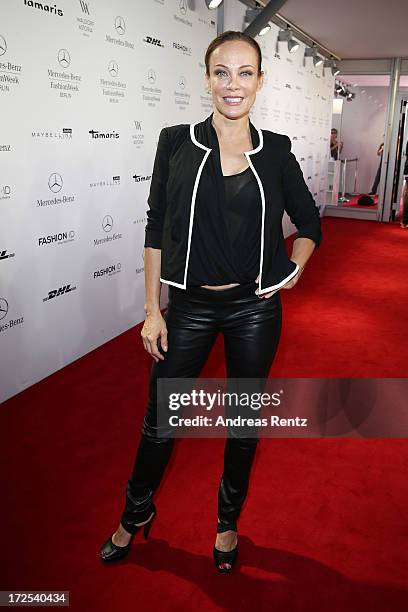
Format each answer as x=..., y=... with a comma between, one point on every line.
x=84, y=66
x=362, y=132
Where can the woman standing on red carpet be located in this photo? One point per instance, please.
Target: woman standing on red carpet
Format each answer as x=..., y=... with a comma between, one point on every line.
x=214, y=235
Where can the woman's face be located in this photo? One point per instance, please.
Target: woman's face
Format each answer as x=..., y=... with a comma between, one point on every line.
x=234, y=80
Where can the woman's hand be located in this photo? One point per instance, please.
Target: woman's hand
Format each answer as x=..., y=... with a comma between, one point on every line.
x=287, y=285
x=154, y=329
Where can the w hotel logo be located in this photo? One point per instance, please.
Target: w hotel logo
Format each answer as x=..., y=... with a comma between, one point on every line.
x=84, y=6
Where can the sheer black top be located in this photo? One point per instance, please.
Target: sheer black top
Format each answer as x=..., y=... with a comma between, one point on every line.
x=225, y=243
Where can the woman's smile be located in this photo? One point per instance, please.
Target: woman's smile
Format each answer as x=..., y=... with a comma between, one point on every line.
x=233, y=100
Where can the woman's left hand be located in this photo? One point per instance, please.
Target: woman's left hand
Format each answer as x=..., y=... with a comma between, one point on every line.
x=287, y=285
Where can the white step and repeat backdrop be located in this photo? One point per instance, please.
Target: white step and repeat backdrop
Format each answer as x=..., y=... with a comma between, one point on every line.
x=85, y=88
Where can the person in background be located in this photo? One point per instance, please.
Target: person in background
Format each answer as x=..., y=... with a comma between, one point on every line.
x=378, y=175
x=404, y=220
x=335, y=146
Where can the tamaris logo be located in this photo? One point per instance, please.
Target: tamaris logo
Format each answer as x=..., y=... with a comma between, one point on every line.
x=57, y=292
x=139, y=178
x=104, y=135
x=44, y=7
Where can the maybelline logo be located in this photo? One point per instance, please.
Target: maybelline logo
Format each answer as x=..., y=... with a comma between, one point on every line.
x=153, y=41
x=95, y=134
x=186, y=50
x=5, y=255
x=5, y=192
x=107, y=226
x=64, y=134
x=120, y=28
x=113, y=182
x=46, y=8
x=4, y=309
x=60, y=238
x=5, y=147
x=140, y=178
x=58, y=292
x=108, y=271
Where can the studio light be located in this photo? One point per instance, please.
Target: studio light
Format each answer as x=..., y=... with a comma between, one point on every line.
x=330, y=63
x=311, y=52
x=213, y=4
x=286, y=35
x=335, y=69
x=265, y=30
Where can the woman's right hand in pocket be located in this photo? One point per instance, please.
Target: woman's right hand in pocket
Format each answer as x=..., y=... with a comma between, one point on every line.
x=154, y=330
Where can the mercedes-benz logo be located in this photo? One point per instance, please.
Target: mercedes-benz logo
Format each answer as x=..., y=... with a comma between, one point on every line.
x=55, y=182
x=3, y=45
x=182, y=82
x=113, y=68
x=120, y=25
x=3, y=308
x=107, y=223
x=64, y=58
x=183, y=7
x=151, y=75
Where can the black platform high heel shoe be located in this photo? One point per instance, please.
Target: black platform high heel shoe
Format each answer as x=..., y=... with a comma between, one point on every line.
x=112, y=552
x=221, y=557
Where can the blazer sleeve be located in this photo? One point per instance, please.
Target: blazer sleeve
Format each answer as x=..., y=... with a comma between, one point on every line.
x=157, y=194
x=299, y=202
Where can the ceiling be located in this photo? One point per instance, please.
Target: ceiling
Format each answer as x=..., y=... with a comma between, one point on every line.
x=363, y=29
x=371, y=80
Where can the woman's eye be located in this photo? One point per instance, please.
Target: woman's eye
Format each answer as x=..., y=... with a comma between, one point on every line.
x=222, y=72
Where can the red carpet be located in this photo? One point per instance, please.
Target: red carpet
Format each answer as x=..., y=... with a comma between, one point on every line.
x=325, y=523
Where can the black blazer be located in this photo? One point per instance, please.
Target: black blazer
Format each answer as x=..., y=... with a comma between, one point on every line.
x=187, y=169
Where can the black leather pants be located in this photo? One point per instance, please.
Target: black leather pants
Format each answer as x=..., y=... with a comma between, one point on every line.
x=251, y=328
